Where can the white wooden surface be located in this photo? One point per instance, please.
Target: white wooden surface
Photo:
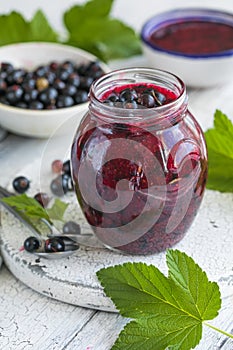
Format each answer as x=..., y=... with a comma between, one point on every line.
x=32, y=321
x=73, y=279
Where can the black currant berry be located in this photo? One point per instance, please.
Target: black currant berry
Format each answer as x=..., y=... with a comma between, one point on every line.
x=52, y=86
x=31, y=244
x=74, y=79
x=42, y=198
x=81, y=96
x=57, y=166
x=113, y=97
x=147, y=100
x=54, y=245
x=36, y=105
x=69, y=90
x=71, y=227
x=14, y=94
x=61, y=185
x=21, y=184
x=48, y=96
x=7, y=67
x=66, y=167
x=128, y=95
x=64, y=101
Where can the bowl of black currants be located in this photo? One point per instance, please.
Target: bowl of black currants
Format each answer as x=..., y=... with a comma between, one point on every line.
x=44, y=87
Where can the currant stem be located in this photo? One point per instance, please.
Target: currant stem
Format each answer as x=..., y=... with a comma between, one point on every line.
x=218, y=330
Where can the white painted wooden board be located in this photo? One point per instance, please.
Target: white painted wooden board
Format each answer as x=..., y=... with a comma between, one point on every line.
x=31, y=321
x=73, y=280
x=103, y=329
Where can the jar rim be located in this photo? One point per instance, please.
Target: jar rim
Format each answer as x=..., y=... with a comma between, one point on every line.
x=136, y=75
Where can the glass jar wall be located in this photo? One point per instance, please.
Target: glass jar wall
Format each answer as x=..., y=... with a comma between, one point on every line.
x=139, y=163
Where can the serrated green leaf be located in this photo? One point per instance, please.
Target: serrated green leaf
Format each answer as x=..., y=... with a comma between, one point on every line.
x=192, y=280
x=143, y=286
x=91, y=9
x=222, y=123
x=40, y=29
x=147, y=334
x=56, y=212
x=220, y=154
x=220, y=142
x=168, y=311
x=29, y=206
x=91, y=28
x=32, y=210
x=220, y=172
x=14, y=29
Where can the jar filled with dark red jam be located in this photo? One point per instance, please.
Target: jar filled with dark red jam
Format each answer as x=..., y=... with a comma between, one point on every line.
x=139, y=161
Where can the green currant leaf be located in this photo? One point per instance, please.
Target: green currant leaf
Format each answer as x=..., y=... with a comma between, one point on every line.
x=148, y=334
x=223, y=123
x=14, y=29
x=57, y=211
x=167, y=311
x=192, y=280
x=91, y=28
x=40, y=29
x=78, y=14
x=27, y=205
x=220, y=154
x=32, y=210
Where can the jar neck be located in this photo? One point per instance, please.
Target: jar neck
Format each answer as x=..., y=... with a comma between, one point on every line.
x=160, y=117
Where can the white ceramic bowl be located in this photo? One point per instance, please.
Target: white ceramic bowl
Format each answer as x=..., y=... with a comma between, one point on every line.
x=42, y=123
x=199, y=70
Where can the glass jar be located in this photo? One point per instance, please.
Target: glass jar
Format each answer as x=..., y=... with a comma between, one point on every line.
x=139, y=169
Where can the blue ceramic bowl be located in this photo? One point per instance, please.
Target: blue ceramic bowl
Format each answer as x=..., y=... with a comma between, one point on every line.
x=195, y=68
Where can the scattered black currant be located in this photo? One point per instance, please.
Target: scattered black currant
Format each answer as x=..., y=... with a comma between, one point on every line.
x=42, y=198
x=66, y=167
x=71, y=227
x=54, y=245
x=31, y=244
x=56, y=186
x=21, y=184
x=57, y=166
x=61, y=185
x=63, y=182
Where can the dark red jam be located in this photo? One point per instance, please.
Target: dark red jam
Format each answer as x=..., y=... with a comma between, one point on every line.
x=194, y=37
x=139, y=187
